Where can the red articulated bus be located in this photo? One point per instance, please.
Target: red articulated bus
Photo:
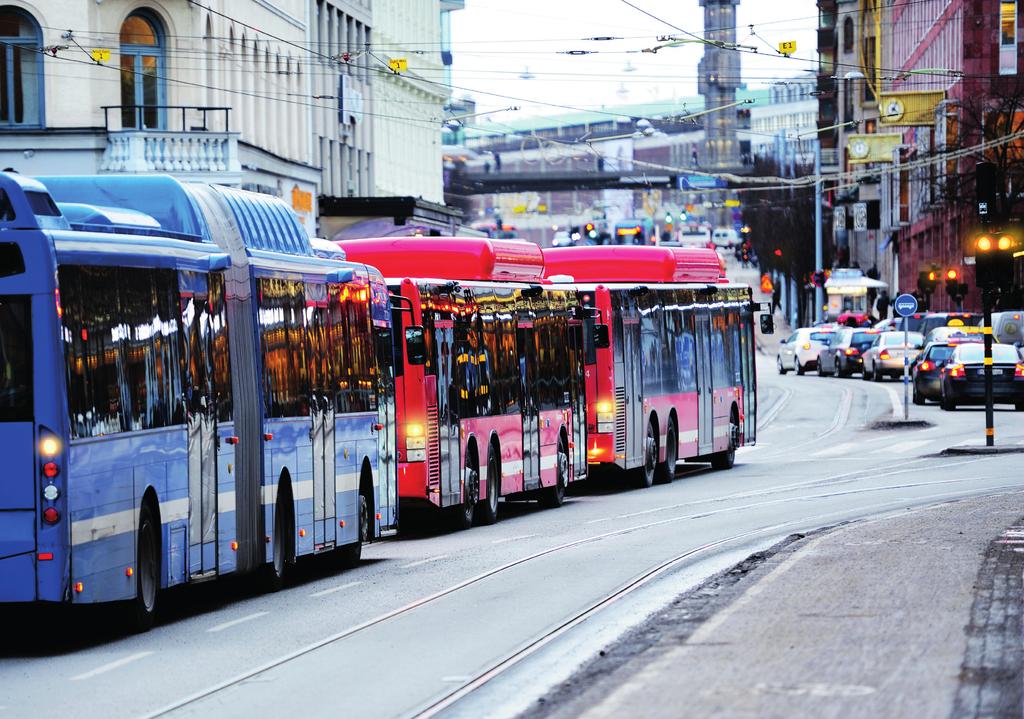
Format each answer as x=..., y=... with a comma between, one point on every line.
x=677, y=381
x=489, y=374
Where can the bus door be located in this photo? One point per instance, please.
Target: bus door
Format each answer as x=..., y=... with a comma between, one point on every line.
x=448, y=413
x=386, y=460
x=578, y=401
x=321, y=414
x=201, y=422
x=526, y=343
x=633, y=384
x=705, y=389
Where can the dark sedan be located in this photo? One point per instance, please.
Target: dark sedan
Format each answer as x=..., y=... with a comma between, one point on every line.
x=963, y=377
x=842, y=357
x=927, y=368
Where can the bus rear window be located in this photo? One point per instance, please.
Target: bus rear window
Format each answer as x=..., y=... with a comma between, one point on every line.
x=15, y=359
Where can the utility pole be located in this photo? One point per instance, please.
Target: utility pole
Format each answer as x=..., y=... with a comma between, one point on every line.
x=819, y=292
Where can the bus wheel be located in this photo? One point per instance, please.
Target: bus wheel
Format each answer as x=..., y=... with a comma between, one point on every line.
x=147, y=584
x=666, y=471
x=487, y=509
x=727, y=458
x=462, y=516
x=552, y=497
x=643, y=477
x=352, y=553
x=276, y=573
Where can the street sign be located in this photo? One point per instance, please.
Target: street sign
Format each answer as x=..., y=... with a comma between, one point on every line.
x=732, y=203
x=860, y=216
x=905, y=305
x=787, y=47
x=398, y=65
x=839, y=218
x=699, y=182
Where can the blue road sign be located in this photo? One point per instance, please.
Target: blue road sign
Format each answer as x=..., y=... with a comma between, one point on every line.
x=905, y=305
x=699, y=182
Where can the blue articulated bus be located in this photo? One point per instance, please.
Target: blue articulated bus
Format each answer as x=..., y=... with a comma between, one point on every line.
x=186, y=391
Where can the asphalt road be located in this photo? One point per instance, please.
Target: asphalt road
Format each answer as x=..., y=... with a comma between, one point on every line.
x=424, y=620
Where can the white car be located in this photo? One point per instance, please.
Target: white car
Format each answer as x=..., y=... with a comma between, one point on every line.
x=885, y=356
x=725, y=237
x=800, y=350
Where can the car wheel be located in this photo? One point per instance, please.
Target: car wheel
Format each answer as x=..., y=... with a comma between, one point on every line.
x=800, y=369
x=947, y=404
x=782, y=370
x=876, y=375
x=821, y=368
x=837, y=370
x=864, y=374
x=918, y=399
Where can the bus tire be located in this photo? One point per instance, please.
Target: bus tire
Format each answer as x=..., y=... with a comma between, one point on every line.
x=554, y=496
x=350, y=554
x=487, y=509
x=462, y=516
x=666, y=471
x=276, y=573
x=643, y=476
x=727, y=457
x=142, y=609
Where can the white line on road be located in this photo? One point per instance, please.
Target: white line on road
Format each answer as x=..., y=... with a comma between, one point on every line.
x=897, y=402
x=512, y=539
x=332, y=590
x=233, y=622
x=908, y=447
x=424, y=561
x=109, y=666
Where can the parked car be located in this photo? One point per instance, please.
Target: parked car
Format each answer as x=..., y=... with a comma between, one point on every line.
x=926, y=370
x=886, y=353
x=799, y=351
x=844, y=355
x=963, y=377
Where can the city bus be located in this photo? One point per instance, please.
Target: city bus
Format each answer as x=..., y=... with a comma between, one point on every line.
x=490, y=379
x=187, y=391
x=677, y=381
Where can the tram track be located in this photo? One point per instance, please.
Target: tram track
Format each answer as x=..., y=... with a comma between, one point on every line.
x=534, y=645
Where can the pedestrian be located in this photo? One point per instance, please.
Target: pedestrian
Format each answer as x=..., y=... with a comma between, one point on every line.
x=776, y=297
x=882, y=305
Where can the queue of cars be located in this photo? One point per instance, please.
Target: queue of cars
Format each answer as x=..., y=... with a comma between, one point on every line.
x=944, y=352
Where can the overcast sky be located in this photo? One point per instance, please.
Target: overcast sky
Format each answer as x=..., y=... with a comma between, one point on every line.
x=495, y=41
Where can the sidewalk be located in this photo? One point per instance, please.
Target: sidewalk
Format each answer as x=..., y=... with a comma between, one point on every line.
x=916, y=615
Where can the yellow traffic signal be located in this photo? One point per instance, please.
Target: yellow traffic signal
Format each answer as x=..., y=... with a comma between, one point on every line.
x=932, y=276
x=984, y=243
x=951, y=274
x=1005, y=242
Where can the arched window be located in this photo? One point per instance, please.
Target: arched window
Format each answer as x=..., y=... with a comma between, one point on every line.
x=848, y=35
x=142, y=70
x=21, y=69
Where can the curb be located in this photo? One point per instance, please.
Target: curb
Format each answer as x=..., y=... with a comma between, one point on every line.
x=966, y=449
x=902, y=424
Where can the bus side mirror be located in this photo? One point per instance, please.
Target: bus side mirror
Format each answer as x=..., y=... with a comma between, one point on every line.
x=415, y=345
x=601, y=338
x=767, y=324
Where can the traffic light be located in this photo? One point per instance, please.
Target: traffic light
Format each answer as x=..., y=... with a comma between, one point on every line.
x=993, y=257
x=590, y=230
x=927, y=281
x=668, y=218
x=955, y=288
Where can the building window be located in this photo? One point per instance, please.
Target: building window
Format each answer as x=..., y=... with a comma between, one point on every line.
x=142, y=69
x=848, y=35
x=1008, y=37
x=21, y=76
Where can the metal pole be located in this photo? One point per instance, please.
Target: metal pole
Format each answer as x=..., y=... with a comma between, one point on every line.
x=818, y=292
x=906, y=370
x=986, y=303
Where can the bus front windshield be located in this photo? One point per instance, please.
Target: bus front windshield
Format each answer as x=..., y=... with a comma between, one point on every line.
x=15, y=359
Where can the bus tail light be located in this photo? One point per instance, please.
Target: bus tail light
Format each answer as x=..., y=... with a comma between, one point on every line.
x=51, y=515
x=605, y=416
x=50, y=470
x=45, y=556
x=955, y=370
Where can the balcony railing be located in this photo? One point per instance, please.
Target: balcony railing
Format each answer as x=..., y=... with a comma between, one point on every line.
x=190, y=150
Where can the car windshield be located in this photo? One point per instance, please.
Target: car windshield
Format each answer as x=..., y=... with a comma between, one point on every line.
x=975, y=353
x=940, y=353
x=863, y=338
x=15, y=360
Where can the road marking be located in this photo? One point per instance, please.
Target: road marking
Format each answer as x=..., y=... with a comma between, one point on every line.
x=332, y=590
x=773, y=412
x=512, y=539
x=842, y=414
x=908, y=447
x=233, y=622
x=109, y=666
x=424, y=561
x=897, y=402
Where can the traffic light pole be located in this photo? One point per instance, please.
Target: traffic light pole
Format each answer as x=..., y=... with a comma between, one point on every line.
x=819, y=298
x=986, y=304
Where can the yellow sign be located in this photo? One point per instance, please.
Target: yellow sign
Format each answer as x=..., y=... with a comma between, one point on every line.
x=861, y=148
x=788, y=47
x=909, y=108
x=100, y=54
x=732, y=203
x=302, y=201
x=398, y=64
